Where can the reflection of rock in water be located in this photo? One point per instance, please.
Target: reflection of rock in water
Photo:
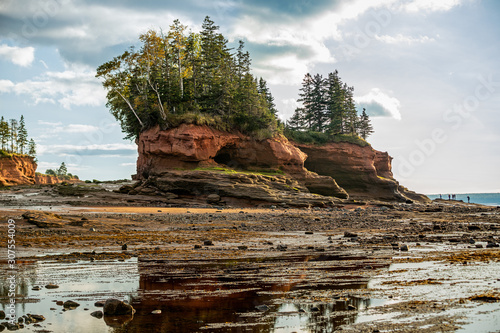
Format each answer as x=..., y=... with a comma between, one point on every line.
x=226, y=295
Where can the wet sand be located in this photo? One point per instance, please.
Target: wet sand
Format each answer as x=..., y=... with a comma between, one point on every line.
x=353, y=268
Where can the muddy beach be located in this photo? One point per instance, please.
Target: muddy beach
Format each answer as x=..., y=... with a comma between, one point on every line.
x=186, y=266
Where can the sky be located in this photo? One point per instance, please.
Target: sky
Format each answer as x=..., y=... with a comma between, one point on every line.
x=426, y=71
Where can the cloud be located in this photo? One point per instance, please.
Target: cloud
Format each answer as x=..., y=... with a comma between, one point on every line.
x=401, y=39
x=76, y=86
x=21, y=56
x=118, y=149
x=431, y=5
x=377, y=103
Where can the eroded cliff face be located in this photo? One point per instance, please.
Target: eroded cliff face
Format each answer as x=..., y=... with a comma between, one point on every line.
x=363, y=172
x=21, y=170
x=191, y=146
x=17, y=170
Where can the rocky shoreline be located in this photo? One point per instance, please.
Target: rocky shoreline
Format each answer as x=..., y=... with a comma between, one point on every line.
x=345, y=267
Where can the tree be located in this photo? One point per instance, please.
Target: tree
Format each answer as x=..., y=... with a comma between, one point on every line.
x=191, y=77
x=13, y=135
x=22, y=136
x=50, y=172
x=32, y=148
x=365, y=126
x=63, y=170
x=4, y=133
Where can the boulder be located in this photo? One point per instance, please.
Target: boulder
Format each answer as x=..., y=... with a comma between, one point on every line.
x=115, y=307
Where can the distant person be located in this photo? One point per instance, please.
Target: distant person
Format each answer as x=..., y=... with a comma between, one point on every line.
x=440, y=196
x=468, y=199
x=449, y=197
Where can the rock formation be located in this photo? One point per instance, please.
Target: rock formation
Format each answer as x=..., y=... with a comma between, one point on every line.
x=21, y=170
x=17, y=170
x=363, y=172
x=190, y=147
x=199, y=160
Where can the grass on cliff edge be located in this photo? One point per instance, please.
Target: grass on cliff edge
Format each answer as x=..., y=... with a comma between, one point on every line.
x=320, y=138
x=267, y=172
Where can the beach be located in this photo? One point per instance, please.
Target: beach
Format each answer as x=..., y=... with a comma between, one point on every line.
x=354, y=267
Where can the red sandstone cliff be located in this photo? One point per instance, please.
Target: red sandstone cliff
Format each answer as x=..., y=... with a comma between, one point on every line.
x=20, y=170
x=17, y=170
x=191, y=146
x=363, y=172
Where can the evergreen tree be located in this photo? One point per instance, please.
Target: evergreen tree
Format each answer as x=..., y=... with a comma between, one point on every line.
x=335, y=101
x=4, y=133
x=365, y=126
x=63, y=170
x=22, y=136
x=32, y=148
x=13, y=135
x=179, y=77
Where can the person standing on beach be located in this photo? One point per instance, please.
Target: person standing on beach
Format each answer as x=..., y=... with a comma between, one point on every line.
x=449, y=197
x=468, y=199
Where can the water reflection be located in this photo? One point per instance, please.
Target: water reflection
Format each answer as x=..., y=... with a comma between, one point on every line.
x=250, y=295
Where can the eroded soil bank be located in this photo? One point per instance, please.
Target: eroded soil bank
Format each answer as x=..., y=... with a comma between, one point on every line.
x=192, y=267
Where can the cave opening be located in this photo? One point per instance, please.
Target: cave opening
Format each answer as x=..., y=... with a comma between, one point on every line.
x=225, y=157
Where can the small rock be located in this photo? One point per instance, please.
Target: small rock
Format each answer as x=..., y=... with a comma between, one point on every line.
x=36, y=318
x=242, y=247
x=492, y=245
x=213, y=198
x=92, y=229
x=59, y=303
x=70, y=305
x=114, y=307
x=124, y=247
x=348, y=234
x=99, y=304
x=281, y=247
x=262, y=307
x=404, y=247
x=479, y=246
x=197, y=246
x=2, y=315
x=315, y=309
x=351, y=307
x=36, y=288
x=309, y=232
x=208, y=243
x=97, y=314
x=2, y=328
x=156, y=312
x=51, y=286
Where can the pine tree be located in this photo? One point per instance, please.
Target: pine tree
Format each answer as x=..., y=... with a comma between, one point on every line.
x=63, y=170
x=13, y=135
x=365, y=126
x=32, y=148
x=22, y=136
x=335, y=101
x=4, y=133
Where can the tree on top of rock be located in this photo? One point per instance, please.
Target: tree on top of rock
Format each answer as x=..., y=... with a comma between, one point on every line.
x=179, y=77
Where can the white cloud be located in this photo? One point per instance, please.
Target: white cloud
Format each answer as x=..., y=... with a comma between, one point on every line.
x=403, y=39
x=118, y=149
x=431, y=5
x=21, y=56
x=377, y=103
x=6, y=86
x=76, y=86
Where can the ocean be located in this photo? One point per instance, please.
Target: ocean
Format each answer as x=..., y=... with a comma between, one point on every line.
x=490, y=199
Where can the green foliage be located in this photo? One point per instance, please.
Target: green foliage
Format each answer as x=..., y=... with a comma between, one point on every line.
x=181, y=77
x=14, y=138
x=321, y=138
x=4, y=153
x=328, y=107
x=263, y=172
